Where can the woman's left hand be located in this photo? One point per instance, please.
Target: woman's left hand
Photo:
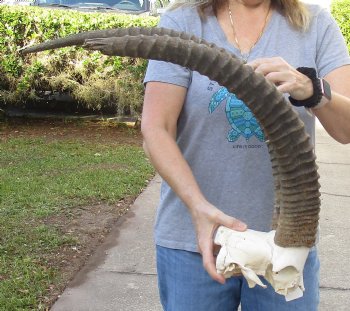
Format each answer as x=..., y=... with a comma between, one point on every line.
x=286, y=78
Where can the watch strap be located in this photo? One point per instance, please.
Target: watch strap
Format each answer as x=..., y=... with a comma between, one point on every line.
x=317, y=95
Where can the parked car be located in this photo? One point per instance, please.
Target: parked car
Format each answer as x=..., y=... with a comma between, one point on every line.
x=122, y=6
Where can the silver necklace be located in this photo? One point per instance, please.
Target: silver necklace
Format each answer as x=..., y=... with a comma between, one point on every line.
x=245, y=56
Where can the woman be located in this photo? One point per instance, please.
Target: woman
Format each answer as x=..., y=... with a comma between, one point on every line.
x=217, y=175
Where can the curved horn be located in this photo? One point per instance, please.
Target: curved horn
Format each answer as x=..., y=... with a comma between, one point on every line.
x=79, y=39
x=293, y=160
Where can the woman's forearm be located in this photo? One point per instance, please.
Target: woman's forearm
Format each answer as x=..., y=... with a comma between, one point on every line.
x=335, y=117
x=169, y=162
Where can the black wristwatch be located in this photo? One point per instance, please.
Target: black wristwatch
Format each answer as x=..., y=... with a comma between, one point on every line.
x=322, y=91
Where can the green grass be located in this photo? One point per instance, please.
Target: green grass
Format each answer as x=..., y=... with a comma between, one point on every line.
x=39, y=179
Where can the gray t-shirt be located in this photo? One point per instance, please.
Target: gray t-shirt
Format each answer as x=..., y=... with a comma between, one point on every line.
x=218, y=135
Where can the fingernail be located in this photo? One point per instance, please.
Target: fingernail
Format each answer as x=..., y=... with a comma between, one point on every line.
x=242, y=226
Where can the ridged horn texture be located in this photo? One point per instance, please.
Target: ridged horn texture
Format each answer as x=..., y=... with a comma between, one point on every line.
x=297, y=201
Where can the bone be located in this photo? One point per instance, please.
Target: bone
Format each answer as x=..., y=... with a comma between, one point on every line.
x=254, y=253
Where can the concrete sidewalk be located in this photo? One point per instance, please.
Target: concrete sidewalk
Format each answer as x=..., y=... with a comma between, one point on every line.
x=121, y=276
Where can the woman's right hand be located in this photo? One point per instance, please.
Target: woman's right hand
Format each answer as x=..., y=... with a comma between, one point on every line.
x=207, y=218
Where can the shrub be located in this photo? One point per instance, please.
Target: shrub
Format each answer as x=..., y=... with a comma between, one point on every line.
x=93, y=79
x=341, y=12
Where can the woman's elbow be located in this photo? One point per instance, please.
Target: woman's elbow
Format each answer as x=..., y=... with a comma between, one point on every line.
x=145, y=149
x=342, y=138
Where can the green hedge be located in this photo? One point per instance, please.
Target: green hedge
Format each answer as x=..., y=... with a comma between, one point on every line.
x=341, y=12
x=94, y=80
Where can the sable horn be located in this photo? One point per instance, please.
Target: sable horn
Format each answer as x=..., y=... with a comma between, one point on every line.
x=297, y=202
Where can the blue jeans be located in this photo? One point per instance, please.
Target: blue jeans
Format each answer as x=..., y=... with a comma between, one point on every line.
x=184, y=285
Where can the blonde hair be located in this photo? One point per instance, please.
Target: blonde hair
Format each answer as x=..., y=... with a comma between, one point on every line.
x=294, y=10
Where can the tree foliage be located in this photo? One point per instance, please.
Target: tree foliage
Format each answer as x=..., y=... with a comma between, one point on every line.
x=341, y=12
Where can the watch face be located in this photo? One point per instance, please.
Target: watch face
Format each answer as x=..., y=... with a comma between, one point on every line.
x=326, y=89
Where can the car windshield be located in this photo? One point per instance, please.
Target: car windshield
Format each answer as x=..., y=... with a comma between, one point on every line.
x=123, y=5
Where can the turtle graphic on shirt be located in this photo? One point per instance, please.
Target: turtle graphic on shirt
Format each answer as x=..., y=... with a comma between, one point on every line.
x=239, y=116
